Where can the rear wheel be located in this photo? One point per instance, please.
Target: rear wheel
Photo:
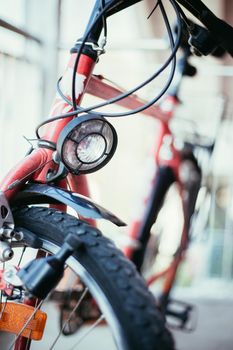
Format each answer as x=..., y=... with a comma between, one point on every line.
x=119, y=299
x=165, y=234
x=164, y=231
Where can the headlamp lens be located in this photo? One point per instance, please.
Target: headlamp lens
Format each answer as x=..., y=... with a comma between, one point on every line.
x=91, y=148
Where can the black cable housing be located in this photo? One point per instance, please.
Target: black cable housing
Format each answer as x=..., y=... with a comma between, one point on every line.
x=171, y=59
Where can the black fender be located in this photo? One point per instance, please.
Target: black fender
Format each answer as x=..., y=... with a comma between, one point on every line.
x=47, y=194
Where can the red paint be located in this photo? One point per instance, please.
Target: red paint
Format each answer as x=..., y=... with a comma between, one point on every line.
x=24, y=169
x=103, y=90
x=22, y=343
x=8, y=289
x=52, y=130
x=133, y=232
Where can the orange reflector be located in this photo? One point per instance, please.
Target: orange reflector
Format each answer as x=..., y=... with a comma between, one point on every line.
x=15, y=316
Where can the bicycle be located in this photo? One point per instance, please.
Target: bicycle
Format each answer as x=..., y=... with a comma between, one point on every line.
x=69, y=148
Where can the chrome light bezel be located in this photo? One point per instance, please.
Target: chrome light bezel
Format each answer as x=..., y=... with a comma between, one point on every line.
x=77, y=131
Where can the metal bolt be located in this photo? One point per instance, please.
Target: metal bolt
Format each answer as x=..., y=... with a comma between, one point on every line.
x=6, y=253
x=18, y=235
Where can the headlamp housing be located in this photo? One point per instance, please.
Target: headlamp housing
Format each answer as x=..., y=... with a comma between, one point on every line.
x=86, y=144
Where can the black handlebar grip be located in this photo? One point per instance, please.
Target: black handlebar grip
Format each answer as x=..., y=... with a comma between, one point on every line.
x=220, y=30
x=224, y=32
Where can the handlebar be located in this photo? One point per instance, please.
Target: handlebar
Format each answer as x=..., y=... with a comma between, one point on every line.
x=221, y=32
x=203, y=42
x=194, y=39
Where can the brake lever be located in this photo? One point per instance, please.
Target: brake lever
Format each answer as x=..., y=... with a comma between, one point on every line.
x=201, y=40
x=220, y=31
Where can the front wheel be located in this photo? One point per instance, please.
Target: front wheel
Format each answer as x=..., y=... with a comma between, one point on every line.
x=109, y=285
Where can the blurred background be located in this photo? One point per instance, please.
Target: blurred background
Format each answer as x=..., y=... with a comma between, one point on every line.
x=35, y=38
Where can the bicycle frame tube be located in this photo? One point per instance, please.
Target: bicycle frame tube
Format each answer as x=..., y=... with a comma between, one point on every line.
x=161, y=159
x=42, y=157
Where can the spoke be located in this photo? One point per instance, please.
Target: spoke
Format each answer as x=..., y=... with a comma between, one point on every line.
x=28, y=343
x=3, y=268
x=22, y=254
x=25, y=326
x=69, y=318
x=100, y=319
x=3, y=309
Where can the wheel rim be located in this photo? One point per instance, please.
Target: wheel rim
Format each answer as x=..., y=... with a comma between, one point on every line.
x=98, y=295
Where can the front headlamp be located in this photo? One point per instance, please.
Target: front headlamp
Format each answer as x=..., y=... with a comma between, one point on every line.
x=86, y=144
